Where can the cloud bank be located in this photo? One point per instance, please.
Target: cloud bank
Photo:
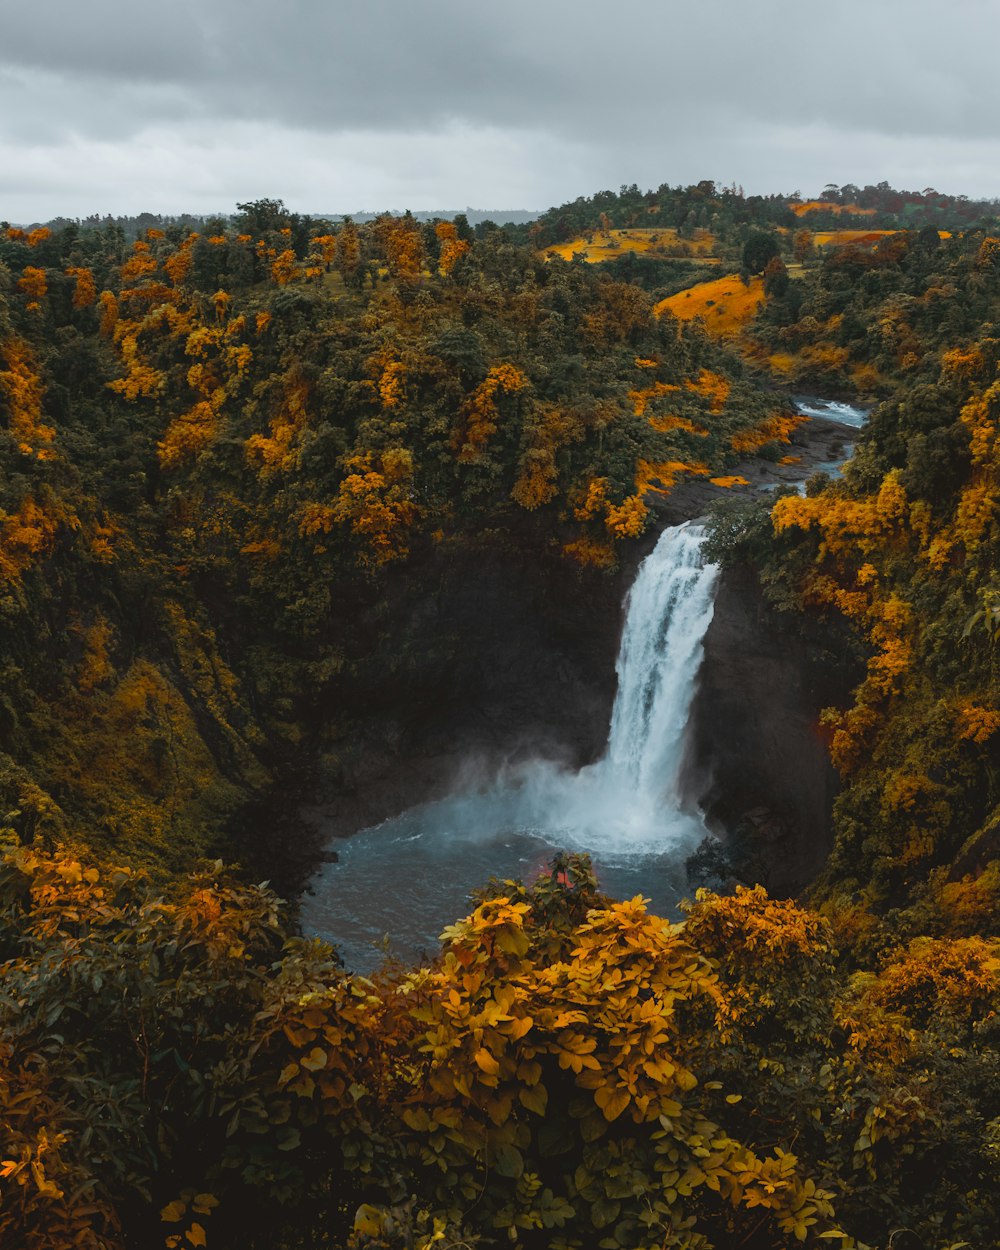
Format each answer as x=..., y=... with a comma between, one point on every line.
x=124, y=107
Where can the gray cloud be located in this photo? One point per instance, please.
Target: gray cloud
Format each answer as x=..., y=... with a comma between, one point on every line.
x=448, y=102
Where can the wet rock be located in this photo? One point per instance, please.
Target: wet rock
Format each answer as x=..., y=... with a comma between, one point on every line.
x=758, y=760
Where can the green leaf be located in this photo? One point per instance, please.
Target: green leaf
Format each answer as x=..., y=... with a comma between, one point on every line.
x=603, y=1212
x=535, y=1098
x=509, y=1162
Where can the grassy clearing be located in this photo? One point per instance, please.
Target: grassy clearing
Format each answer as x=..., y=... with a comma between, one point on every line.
x=656, y=243
x=725, y=304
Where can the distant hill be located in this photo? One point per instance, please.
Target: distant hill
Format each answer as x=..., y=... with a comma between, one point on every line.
x=502, y=216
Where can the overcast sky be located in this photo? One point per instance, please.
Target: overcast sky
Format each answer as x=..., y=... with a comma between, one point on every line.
x=122, y=106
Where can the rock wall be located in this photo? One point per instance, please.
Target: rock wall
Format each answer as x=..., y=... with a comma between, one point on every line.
x=759, y=764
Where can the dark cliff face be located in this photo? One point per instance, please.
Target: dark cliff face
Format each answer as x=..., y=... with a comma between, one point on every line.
x=759, y=764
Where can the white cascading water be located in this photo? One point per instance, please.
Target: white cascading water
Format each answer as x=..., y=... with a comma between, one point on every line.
x=668, y=612
x=410, y=876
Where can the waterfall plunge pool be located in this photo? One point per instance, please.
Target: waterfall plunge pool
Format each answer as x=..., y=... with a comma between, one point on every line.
x=397, y=885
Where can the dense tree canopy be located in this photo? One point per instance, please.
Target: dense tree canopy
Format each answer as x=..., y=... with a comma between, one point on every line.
x=224, y=448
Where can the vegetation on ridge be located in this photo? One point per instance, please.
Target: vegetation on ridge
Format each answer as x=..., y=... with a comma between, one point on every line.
x=216, y=449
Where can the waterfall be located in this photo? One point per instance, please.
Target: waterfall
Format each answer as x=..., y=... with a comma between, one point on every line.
x=412, y=875
x=669, y=610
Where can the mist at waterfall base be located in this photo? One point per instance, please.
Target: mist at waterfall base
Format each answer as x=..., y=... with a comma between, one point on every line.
x=395, y=886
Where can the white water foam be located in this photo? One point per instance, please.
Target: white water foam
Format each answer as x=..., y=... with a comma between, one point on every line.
x=831, y=410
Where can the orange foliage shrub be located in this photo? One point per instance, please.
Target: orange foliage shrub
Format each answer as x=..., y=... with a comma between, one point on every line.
x=392, y=384
x=25, y=534
x=178, y=264
x=771, y=955
x=641, y=398
x=711, y=386
x=278, y=453
x=141, y=379
x=776, y=429
x=86, y=292
x=963, y=362
x=140, y=265
x=590, y=553
x=34, y=284
x=22, y=391
x=537, y=470
x=284, y=269
x=402, y=246
x=480, y=412
x=853, y=529
x=95, y=667
x=109, y=313
x=665, y=424
x=593, y=500
x=782, y=362
x=976, y=723
x=973, y=903
x=627, y=519
x=989, y=253
x=958, y=978
x=187, y=435
x=452, y=247
x=375, y=501
x=327, y=245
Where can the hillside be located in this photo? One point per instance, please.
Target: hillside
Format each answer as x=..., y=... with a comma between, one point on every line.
x=282, y=503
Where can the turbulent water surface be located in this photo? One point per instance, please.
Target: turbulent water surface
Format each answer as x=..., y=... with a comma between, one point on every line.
x=831, y=410
x=398, y=884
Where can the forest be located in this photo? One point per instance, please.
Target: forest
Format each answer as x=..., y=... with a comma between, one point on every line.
x=237, y=456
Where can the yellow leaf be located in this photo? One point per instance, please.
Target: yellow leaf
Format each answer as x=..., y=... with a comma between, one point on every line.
x=315, y=1060
x=486, y=1062
x=300, y=1037
x=368, y=1221
x=612, y=1102
x=173, y=1211
x=517, y=1028
x=204, y=1204
x=196, y=1235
